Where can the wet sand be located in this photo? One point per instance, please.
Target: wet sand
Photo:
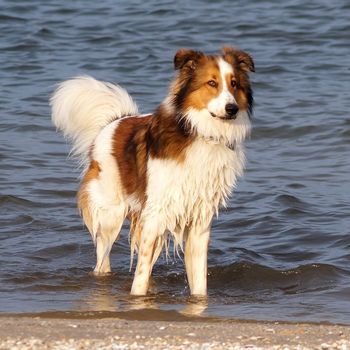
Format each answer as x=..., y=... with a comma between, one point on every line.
x=72, y=333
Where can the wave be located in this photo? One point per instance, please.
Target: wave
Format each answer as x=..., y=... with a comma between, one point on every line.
x=254, y=277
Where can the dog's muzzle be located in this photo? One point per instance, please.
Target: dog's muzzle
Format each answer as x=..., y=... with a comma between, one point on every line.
x=231, y=111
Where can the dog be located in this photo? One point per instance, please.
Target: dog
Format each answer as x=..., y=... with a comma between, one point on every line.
x=167, y=172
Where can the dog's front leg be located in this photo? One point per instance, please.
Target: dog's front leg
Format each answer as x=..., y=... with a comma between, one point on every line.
x=196, y=252
x=149, y=249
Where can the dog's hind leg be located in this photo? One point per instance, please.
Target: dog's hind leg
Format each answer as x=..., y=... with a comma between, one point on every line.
x=110, y=223
x=196, y=251
x=103, y=217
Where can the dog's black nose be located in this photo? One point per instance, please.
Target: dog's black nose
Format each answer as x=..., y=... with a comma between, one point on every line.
x=231, y=109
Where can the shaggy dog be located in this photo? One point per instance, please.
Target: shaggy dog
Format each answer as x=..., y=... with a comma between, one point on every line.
x=167, y=172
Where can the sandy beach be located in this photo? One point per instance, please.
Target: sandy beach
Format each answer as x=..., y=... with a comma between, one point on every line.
x=52, y=333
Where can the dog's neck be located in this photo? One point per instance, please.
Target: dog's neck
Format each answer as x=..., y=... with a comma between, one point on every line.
x=171, y=127
x=213, y=141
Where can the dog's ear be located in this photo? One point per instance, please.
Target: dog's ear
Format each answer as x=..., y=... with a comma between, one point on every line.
x=185, y=58
x=242, y=58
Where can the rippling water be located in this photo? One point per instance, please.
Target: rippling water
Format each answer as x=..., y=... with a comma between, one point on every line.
x=281, y=251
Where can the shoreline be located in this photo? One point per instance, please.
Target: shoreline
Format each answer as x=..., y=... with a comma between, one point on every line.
x=38, y=332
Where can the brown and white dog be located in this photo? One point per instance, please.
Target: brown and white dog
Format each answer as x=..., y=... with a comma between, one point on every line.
x=167, y=172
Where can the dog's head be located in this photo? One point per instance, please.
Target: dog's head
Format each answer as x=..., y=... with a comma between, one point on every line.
x=213, y=89
x=218, y=84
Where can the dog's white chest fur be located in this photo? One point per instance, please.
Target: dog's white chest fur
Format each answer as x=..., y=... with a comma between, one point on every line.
x=180, y=194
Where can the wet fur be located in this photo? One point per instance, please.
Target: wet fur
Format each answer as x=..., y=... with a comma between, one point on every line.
x=168, y=172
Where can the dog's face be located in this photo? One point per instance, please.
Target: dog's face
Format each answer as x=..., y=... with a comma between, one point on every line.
x=217, y=86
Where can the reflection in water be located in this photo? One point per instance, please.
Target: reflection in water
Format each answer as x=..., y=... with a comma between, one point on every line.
x=100, y=297
x=196, y=306
x=141, y=303
x=103, y=297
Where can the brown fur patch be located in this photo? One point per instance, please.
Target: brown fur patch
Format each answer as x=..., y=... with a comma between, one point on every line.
x=241, y=99
x=168, y=136
x=201, y=92
x=131, y=153
x=83, y=195
x=240, y=58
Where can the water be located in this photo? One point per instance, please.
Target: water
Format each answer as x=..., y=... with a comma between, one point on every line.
x=281, y=251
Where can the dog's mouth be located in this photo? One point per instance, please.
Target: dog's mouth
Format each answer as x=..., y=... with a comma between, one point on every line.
x=225, y=117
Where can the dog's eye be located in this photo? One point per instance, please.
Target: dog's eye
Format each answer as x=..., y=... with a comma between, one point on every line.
x=233, y=83
x=212, y=83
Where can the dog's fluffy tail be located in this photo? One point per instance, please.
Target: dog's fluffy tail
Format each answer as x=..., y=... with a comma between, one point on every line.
x=82, y=106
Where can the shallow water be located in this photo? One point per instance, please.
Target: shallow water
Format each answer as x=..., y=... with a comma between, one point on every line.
x=280, y=251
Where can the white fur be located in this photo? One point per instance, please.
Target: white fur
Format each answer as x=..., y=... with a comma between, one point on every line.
x=227, y=132
x=105, y=192
x=107, y=205
x=133, y=203
x=182, y=199
x=196, y=261
x=82, y=106
x=217, y=105
x=186, y=193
